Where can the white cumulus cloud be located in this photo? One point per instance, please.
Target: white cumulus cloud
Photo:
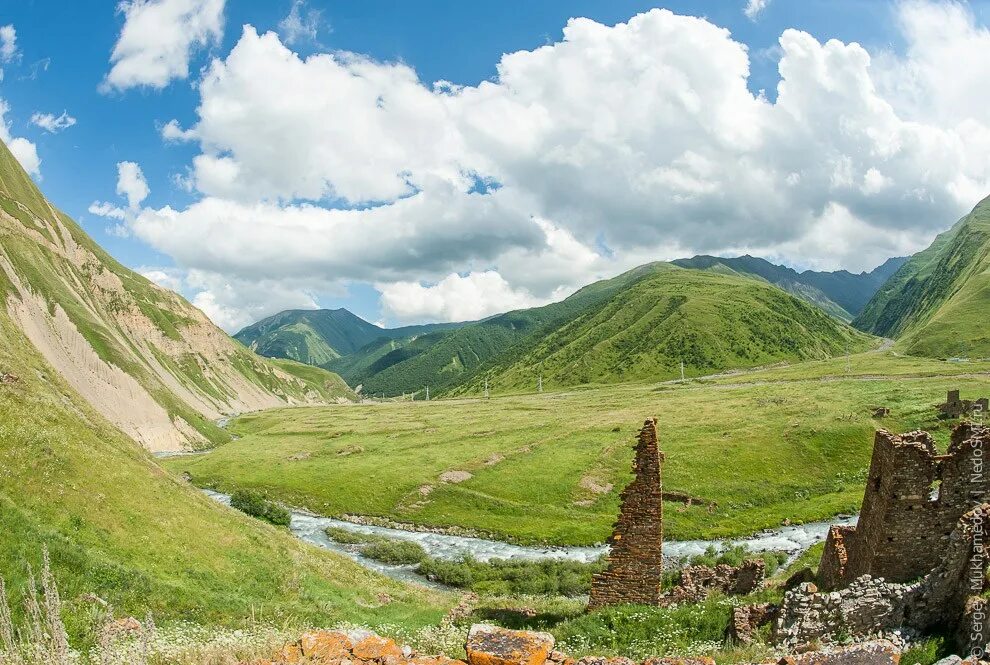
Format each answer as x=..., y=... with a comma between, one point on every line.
x=52, y=123
x=301, y=24
x=613, y=146
x=158, y=40
x=23, y=150
x=455, y=298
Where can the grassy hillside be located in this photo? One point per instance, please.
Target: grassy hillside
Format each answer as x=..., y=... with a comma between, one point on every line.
x=146, y=359
x=445, y=360
x=784, y=443
x=318, y=337
x=708, y=321
x=118, y=526
x=841, y=293
x=937, y=303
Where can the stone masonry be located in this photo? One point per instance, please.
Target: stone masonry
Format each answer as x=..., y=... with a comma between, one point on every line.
x=955, y=407
x=948, y=600
x=914, y=499
x=635, y=562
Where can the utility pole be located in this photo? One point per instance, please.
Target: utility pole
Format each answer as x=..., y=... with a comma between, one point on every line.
x=427, y=393
x=682, y=370
x=539, y=384
x=848, y=360
x=487, y=396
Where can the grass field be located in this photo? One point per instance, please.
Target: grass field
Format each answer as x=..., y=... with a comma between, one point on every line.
x=117, y=526
x=768, y=445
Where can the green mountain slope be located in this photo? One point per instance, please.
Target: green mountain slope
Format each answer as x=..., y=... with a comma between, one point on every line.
x=841, y=293
x=937, y=303
x=143, y=357
x=708, y=321
x=318, y=337
x=442, y=360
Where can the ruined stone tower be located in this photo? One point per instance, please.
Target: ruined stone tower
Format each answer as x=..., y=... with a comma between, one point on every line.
x=914, y=499
x=635, y=563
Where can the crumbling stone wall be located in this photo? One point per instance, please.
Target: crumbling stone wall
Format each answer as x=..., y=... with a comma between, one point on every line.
x=948, y=599
x=699, y=582
x=914, y=499
x=635, y=562
x=955, y=407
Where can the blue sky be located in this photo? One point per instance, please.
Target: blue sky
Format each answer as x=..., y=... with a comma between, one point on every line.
x=63, y=54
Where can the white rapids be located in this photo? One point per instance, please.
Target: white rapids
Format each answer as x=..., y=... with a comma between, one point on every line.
x=311, y=528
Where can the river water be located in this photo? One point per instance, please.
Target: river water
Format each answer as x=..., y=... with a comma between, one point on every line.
x=310, y=528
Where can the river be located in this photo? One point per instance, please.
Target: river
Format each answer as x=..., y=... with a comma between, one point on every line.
x=310, y=528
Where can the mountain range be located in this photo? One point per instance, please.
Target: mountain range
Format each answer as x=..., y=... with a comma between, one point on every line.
x=142, y=356
x=692, y=326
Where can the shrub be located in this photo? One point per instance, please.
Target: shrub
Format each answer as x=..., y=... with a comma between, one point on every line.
x=924, y=653
x=735, y=555
x=395, y=552
x=347, y=537
x=514, y=576
x=255, y=504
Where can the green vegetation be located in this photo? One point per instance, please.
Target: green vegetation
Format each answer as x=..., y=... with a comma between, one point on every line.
x=937, y=303
x=397, y=552
x=840, y=293
x=926, y=652
x=256, y=505
x=119, y=527
x=508, y=577
x=765, y=445
x=708, y=321
x=319, y=337
x=348, y=537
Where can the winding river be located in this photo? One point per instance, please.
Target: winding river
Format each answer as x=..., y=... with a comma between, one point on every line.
x=310, y=528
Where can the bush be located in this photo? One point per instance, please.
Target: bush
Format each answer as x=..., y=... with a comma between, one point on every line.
x=395, y=552
x=255, y=504
x=924, y=653
x=514, y=576
x=735, y=555
x=348, y=537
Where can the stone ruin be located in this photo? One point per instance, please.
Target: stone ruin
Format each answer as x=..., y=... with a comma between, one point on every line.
x=916, y=560
x=955, y=407
x=913, y=501
x=635, y=562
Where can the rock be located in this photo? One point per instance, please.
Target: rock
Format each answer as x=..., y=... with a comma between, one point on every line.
x=290, y=654
x=879, y=652
x=747, y=619
x=491, y=645
x=120, y=627
x=8, y=379
x=948, y=660
x=374, y=647
x=325, y=644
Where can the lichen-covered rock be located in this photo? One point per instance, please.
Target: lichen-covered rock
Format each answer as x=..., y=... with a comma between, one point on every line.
x=491, y=645
x=325, y=645
x=378, y=648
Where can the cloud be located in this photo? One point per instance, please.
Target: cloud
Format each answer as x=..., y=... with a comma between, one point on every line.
x=8, y=43
x=233, y=303
x=754, y=8
x=131, y=184
x=301, y=24
x=172, y=132
x=52, y=123
x=455, y=298
x=158, y=40
x=23, y=150
x=615, y=145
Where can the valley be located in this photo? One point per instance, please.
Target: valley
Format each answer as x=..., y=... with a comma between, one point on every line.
x=766, y=446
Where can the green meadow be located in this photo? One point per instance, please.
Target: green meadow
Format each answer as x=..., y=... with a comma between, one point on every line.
x=764, y=446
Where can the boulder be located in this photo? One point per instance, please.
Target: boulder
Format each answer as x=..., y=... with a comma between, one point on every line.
x=374, y=647
x=325, y=645
x=878, y=652
x=491, y=645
